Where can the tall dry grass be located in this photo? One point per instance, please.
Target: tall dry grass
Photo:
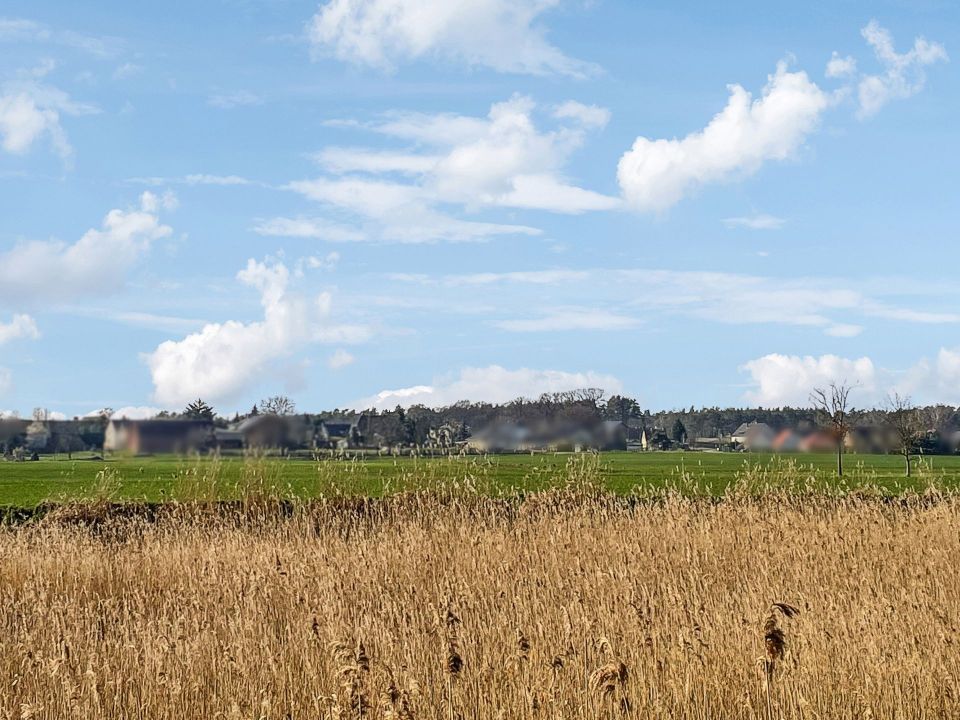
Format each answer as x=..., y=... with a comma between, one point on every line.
x=569, y=604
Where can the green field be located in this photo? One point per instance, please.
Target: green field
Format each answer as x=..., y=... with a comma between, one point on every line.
x=154, y=479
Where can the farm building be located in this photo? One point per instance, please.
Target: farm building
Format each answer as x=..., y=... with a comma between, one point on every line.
x=818, y=441
x=276, y=431
x=228, y=438
x=613, y=435
x=654, y=439
x=711, y=443
x=787, y=441
x=499, y=437
x=13, y=431
x=758, y=431
x=870, y=439
x=149, y=437
x=338, y=434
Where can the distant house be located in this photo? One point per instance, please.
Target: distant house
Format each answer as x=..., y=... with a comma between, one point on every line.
x=499, y=437
x=818, y=441
x=654, y=439
x=754, y=436
x=228, y=438
x=548, y=436
x=612, y=435
x=634, y=429
x=787, y=441
x=268, y=432
x=747, y=429
x=380, y=431
x=870, y=439
x=338, y=434
x=443, y=437
x=952, y=440
x=13, y=432
x=151, y=437
x=711, y=443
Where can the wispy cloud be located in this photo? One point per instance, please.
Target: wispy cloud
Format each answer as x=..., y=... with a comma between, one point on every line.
x=127, y=71
x=622, y=296
x=571, y=318
x=315, y=228
x=755, y=222
x=240, y=98
x=903, y=74
x=340, y=359
x=498, y=34
x=134, y=318
x=501, y=161
x=533, y=277
x=24, y=30
x=194, y=179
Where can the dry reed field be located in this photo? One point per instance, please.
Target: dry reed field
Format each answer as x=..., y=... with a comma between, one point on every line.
x=567, y=604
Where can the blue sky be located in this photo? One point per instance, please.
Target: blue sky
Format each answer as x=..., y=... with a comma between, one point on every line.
x=373, y=202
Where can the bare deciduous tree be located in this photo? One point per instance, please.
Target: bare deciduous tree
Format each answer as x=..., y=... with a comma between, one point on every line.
x=905, y=423
x=278, y=405
x=832, y=406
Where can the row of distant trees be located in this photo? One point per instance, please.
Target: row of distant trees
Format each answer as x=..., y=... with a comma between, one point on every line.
x=830, y=409
x=201, y=410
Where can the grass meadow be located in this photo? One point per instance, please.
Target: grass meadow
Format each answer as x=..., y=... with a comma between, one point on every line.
x=162, y=478
x=432, y=589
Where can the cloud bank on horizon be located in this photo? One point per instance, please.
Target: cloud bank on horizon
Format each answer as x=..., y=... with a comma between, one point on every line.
x=493, y=384
x=779, y=380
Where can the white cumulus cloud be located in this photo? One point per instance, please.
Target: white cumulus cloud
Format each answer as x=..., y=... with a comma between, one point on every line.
x=21, y=326
x=656, y=174
x=31, y=110
x=779, y=380
x=22, y=122
x=493, y=384
x=936, y=380
x=47, y=271
x=500, y=34
x=223, y=359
